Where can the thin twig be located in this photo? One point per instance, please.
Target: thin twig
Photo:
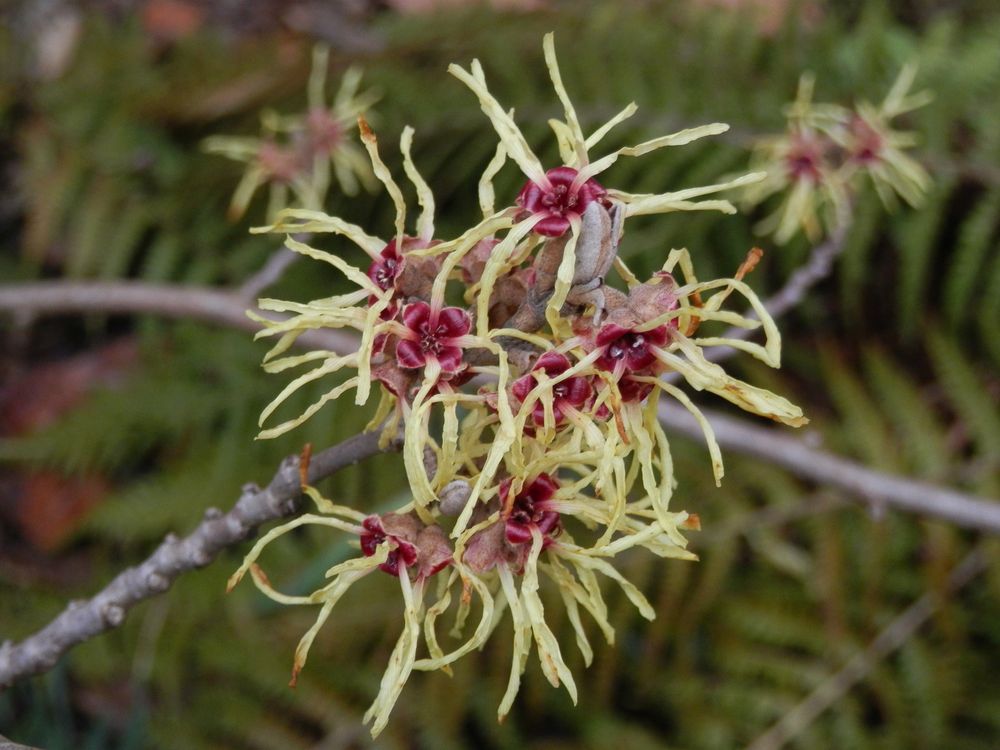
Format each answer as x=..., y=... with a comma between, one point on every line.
x=272, y=270
x=876, y=488
x=860, y=666
x=816, y=269
x=269, y=273
x=107, y=609
x=215, y=306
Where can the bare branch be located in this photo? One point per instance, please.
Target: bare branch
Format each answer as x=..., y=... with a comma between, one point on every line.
x=272, y=270
x=805, y=277
x=219, y=307
x=269, y=273
x=84, y=619
x=858, y=668
x=874, y=487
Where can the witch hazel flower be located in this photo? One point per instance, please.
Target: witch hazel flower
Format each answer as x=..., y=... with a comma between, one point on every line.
x=296, y=152
x=322, y=134
x=375, y=534
x=558, y=198
x=506, y=550
x=387, y=266
x=377, y=286
x=433, y=334
x=626, y=353
x=814, y=164
x=805, y=160
x=798, y=164
x=874, y=147
x=326, y=128
x=566, y=397
x=553, y=201
x=623, y=344
x=530, y=510
x=281, y=167
x=392, y=278
x=525, y=538
x=651, y=331
x=628, y=350
x=399, y=545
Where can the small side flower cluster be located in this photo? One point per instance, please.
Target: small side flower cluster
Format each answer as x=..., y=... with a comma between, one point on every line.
x=295, y=153
x=549, y=460
x=818, y=162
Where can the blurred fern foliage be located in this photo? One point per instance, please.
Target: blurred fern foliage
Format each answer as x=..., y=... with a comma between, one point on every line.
x=895, y=357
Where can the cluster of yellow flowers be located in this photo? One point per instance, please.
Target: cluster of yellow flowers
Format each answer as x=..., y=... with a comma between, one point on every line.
x=545, y=380
x=816, y=165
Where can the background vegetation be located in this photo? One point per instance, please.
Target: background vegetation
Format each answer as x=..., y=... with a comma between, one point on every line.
x=118, y=430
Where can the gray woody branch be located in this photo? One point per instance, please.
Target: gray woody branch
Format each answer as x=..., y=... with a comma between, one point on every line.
x=876, y=488
x=84, y=619
x=219, y=307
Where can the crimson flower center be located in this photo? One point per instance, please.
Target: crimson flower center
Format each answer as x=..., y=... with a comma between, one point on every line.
x=870, y=150
x=803, y=166
x=560, y=199
x=804, y=159
x=528, y=512
x=630, y=343
x=279, y=162
x=430, y=338
x=802, y=163
x=524, y=511
x=375, y=535
x=325, y=130
x=385, y=273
